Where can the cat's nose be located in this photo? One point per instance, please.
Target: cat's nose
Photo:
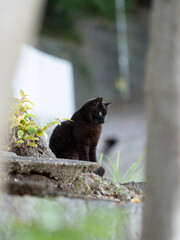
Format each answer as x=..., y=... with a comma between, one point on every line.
x=105, y=118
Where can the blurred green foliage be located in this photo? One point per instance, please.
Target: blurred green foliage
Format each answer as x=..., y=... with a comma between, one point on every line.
x=61, y=14
x=53, y=224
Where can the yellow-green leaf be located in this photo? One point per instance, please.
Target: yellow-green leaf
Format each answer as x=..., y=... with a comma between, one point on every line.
x=22, y=109
x=27, y=137
x=45, y=128
x=22, y=93
x=20, y=141
x=20, y=133
x=35, y=139
x=14, y=139
x=22, y=122
x=25, y=100
x=28, y=107
x=30, y=102
x=30, y=115
x=27, y=128
x=40, y=134
x=32, y=144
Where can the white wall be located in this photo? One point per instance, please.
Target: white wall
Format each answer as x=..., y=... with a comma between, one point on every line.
x=48, y=81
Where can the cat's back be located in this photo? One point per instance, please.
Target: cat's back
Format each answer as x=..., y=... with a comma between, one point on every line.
x=61, y=140
x=64, y=129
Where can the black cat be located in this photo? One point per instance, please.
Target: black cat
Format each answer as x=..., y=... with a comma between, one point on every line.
x=78, y=138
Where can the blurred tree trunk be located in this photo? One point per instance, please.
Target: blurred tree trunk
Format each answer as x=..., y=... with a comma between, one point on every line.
x=18, y=23
x=162, y=207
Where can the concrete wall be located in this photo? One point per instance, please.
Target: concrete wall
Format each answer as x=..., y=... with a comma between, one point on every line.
x=95, y=58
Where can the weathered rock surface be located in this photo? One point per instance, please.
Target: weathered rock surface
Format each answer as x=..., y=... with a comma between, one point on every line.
x=41, y=150
x=137, y=187
x=86, y=185
x=54, y=177
x=7, y=154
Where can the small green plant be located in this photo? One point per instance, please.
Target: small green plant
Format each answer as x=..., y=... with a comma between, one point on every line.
x=130, y=174
x=22, y=129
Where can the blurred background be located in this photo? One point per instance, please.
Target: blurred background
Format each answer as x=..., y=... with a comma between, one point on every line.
x=87, y=49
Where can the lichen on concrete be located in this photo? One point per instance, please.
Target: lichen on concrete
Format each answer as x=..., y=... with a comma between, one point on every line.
x=93, y=185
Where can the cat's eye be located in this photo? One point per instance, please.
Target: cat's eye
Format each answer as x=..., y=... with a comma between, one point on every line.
x=100, y=113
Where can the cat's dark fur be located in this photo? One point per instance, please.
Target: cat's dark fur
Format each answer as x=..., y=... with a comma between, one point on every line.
x=77, y=139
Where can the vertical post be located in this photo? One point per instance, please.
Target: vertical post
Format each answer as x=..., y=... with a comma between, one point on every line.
x=161, y=219
x=18, y=23
x=123, y=84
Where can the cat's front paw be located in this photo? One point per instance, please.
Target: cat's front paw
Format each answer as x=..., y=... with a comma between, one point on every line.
x=100, y=171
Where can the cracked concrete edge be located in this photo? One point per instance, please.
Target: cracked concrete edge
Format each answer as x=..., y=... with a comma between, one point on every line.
x=59, y=169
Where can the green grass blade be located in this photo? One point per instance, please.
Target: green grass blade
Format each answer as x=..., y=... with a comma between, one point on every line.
x=106, y=165
x=101, y=158
x=137, y=175
x=117, y=160
x=135, y=167
x=114, y=174
x=119, y=177
x=110, y=161
x=116, y=168
x=108, y=168
x=127, y=172
x=142, y=177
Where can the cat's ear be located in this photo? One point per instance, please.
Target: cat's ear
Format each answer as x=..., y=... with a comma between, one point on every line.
x=98, y=99
x=107, y=104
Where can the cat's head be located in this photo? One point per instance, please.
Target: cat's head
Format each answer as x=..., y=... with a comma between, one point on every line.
x=95, y=110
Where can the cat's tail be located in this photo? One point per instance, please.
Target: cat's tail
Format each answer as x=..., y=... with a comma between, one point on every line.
x=100, y=171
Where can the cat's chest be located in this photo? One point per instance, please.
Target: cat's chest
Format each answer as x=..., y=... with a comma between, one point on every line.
x=87, y=133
